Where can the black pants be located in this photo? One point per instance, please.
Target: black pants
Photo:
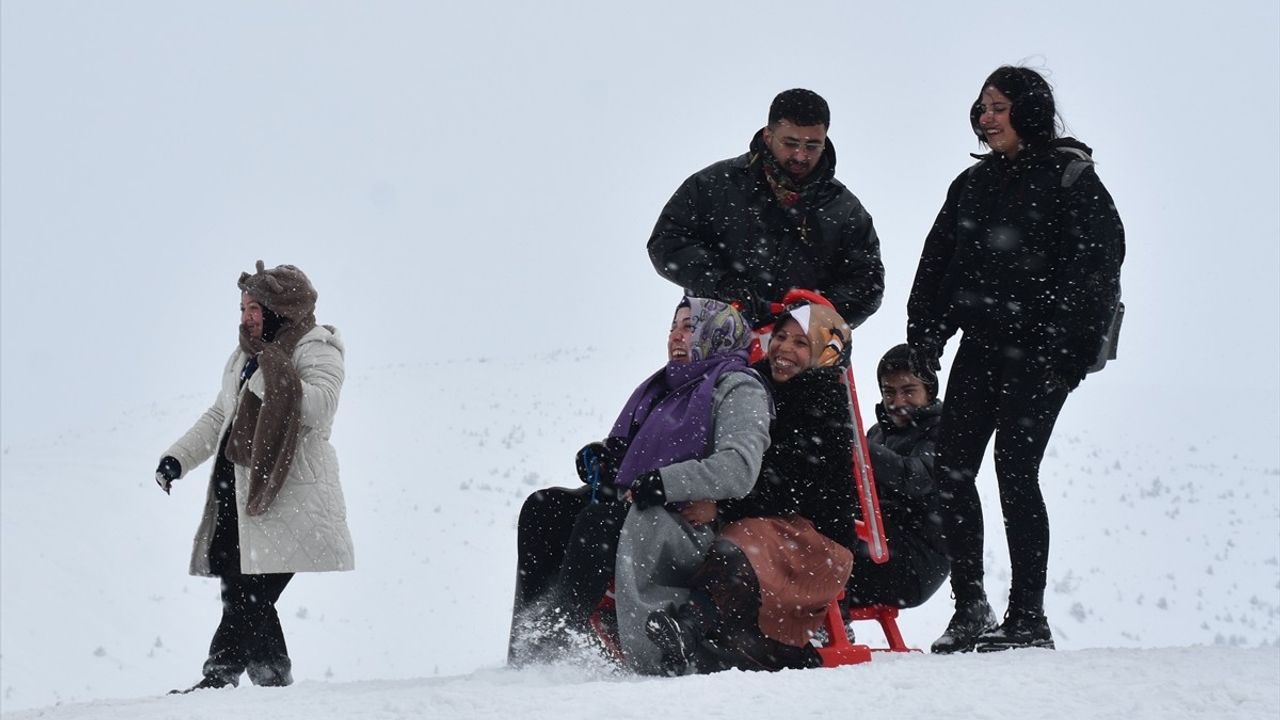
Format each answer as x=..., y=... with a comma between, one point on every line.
x=996, y=388
x=249, y=636
x=912, y=575
x=567, y=546
x=542, y=534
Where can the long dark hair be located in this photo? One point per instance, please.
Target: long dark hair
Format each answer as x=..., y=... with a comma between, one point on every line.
x=1033, y=114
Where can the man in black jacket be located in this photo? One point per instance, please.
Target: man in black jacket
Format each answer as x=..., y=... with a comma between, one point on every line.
x=902, y=457
x=748, y=229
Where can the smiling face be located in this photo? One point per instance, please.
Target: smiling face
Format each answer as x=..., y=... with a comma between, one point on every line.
x=993, y=120
x=790, y=351
x=902, y=393
x=680, y=335
x=251, y=315
x=796, y=147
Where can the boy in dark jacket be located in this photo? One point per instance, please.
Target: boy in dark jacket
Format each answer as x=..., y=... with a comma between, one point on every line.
x=902, y=456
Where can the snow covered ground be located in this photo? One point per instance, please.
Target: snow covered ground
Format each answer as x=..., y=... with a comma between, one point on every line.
x=1189, y=683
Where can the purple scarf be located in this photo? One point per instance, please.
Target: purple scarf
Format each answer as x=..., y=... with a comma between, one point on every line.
x=669, y=417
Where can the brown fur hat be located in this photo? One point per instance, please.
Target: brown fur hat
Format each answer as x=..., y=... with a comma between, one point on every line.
x=284, y=288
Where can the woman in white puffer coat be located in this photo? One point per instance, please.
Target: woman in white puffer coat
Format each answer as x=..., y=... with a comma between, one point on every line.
x=275, y=506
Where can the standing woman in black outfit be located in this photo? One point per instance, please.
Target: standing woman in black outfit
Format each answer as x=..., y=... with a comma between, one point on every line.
x=1024, y=258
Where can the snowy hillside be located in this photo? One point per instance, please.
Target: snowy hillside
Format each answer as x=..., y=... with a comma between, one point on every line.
x=1169, y=540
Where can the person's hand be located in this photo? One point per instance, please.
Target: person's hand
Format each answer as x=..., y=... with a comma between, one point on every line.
x=168, y=471
x=925, y=362
x=1058, y=380
x=600, y=458
x=251, y=345
x=737, y=291
x=647, y=491
x=699, y=512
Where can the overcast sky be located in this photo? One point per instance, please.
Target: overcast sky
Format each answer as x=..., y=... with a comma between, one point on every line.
x=480, y=178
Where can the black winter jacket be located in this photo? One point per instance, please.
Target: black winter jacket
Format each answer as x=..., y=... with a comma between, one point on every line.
x=725, y=222
x=808, y=468
x=903, y=461
x=1015, y=258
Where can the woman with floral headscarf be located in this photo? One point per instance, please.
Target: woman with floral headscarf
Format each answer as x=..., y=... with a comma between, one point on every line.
x=784, y=551
x=695, y=431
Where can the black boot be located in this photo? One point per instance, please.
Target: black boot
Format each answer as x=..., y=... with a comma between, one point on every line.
x=679, y=633
x=209, y=682
x=675, y=640
x=1020, y=629
x=971, y=619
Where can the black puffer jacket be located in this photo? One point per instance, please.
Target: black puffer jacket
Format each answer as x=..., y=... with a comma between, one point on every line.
x=1016, y=258
x=725, y=221
x=903, y=461
x=808, y=468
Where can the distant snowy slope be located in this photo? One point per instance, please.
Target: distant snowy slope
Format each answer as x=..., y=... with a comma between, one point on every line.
x=1164, y=534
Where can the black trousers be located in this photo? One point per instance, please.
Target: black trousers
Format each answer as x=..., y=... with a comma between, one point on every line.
x=567, y=546
x=542, y=534
x=912, y=575
x=997, y=388
x=249, y=637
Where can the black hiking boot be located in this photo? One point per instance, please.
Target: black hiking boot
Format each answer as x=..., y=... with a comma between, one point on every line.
x=678, y=633
x=971, y=619
x=209, y=682
x=1020, y=629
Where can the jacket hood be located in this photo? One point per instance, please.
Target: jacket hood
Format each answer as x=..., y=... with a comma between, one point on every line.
x=325, y=334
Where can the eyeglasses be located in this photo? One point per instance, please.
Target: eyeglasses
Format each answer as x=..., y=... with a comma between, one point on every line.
x=810, y=146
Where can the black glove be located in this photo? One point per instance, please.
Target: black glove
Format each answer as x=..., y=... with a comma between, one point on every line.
x=1061, y=376
x=1061, y=369
x=597, y=458
x=647, y=491
x=737, y=291
x=168, y=471
x=925, y=362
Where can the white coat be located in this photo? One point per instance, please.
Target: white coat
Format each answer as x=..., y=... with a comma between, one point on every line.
x=305, y=528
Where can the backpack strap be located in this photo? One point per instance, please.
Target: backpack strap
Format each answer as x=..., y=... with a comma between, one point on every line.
x=1080, y=161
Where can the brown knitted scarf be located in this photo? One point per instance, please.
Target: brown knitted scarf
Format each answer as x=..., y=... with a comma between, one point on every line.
x=264, y=432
